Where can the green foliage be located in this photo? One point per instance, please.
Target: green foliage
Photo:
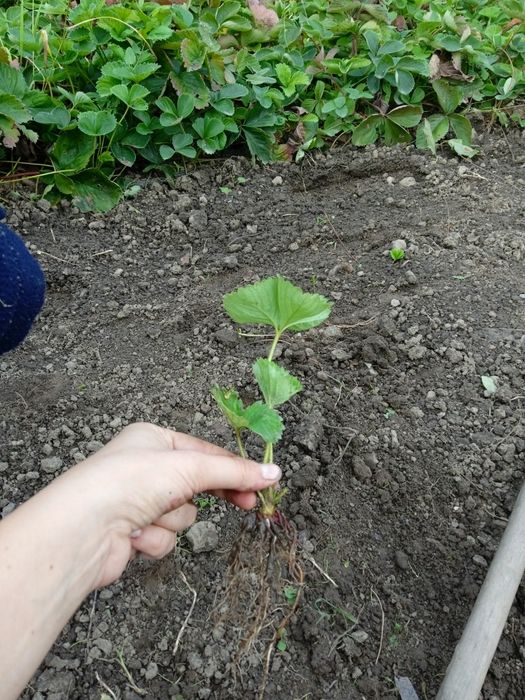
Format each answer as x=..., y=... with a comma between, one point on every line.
x=102, y=87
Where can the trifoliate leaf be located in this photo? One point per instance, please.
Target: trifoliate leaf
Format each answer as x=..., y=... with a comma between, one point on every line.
x=489, y=384
x=276, y=384
x=278, y=303
x=231, y=406
x=264, y=421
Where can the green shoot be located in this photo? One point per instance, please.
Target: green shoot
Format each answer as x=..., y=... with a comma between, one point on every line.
x=277, y=303
x=397, y=254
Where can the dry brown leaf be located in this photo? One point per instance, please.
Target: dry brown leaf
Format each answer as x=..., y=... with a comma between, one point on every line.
x=263, y=15
x=441, y=67
x=400, y=23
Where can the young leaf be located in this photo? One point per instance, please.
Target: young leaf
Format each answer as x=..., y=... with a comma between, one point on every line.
x=462, y=128
x=264, y=421
x=257, y=417
x=462, y=150
x=276, y=384
x=449, y=96
x=96, y=123
x=278, y=303
x=366, y=132
x=406, y=116
x=489, y=384
x=231, y=406
x=93, y=191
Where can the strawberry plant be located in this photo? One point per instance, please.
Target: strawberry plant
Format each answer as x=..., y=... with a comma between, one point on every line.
x=263, y=562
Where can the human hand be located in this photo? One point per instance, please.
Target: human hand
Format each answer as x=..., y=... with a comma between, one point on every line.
x=142, y=482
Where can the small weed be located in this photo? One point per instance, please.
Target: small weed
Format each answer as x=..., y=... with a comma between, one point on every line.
x=225, y=190
x=203, y=502
x=281, y=639
x=397, y=254
x=290, y=593
x=330, y=612
x=393, y=637
x=241, y=180
x=389, y=413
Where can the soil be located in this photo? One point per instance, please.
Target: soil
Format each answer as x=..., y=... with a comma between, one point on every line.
x=402, y=466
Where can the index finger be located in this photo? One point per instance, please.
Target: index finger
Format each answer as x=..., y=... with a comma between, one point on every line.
x=148, y=435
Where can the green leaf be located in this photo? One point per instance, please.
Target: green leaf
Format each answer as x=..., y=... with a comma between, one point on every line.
x=182, y=145
x=277, y=385
x=185, y=105
x=13, y=108
x=257, y=417
x=96, y=123
x=208, y=127
x=12, y=81
x=58, y=116
x=391, y=47
x=395, y=133
x=489, y=384
x=264, y=421
x=449, y=96
x=462, y=150
x=278, y=303
x=260, y=144
x=224, y=107
x=366, y=132
x=72, y=150
x=425, y=138
x=124, y=154
x=372, y=41
x=193, y=53
x=166, y=152
x=404, y=81
x=133, y=96
x=93, y=191
x=406, y=116
x=230, y=404
x=462, y=127
x=283, y=73
x=233, y=91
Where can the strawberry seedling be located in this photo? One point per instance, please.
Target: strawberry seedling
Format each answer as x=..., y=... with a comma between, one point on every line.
x=263, y=562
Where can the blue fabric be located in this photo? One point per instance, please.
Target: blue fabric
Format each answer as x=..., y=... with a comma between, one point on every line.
x=22, y=288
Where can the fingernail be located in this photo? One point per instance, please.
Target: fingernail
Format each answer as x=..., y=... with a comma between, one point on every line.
x=271, y=472
x=136, y=533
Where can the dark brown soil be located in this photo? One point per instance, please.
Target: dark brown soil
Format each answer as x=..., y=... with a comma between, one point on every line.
x=402, y=469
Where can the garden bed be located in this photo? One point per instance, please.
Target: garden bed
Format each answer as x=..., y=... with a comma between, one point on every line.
x=403, y=468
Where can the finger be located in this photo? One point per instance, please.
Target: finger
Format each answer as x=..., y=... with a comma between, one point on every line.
x=148, y=435
x=154, y=541
x=183, y=473
x=178, y=519
x=242, y=499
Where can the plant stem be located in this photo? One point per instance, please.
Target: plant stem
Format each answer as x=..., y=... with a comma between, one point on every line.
x=267, y=496
x=240, y=444
x=276, y=339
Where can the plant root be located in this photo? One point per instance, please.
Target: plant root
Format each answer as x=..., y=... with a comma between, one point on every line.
x=263, y=587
